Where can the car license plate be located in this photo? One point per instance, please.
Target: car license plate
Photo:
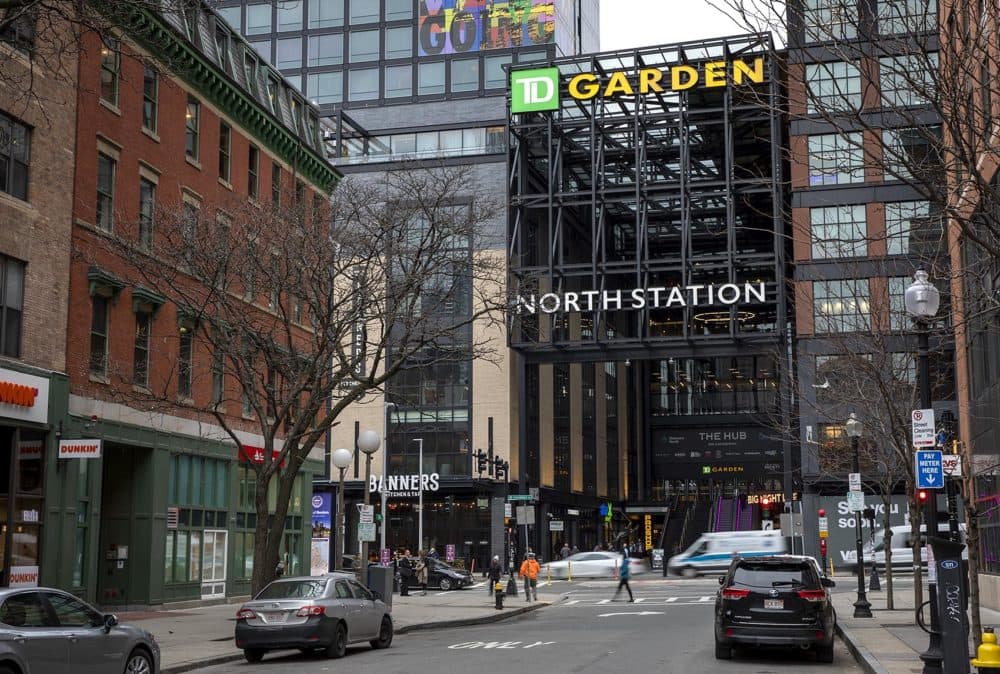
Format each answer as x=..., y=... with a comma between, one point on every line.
x=273, y=618
x=774, y=603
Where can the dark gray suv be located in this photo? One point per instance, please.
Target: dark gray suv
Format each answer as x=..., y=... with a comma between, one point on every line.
x=774, y=601
x=47, y=631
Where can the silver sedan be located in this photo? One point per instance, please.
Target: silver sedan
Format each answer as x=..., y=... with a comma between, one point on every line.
x=47, y=631
x=313, y=613
x=600, y=563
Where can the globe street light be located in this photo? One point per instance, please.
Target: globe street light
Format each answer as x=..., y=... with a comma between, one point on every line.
x=922, y=300
x=862, y=607
x=368, y=442
x=341, y=459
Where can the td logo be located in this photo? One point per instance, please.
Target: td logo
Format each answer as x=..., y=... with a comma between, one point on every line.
x=534, y=90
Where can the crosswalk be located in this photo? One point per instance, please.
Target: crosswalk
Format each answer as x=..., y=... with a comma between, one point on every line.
x=654, y=600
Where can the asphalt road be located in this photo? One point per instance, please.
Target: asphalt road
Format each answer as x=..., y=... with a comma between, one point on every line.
x=668, y=629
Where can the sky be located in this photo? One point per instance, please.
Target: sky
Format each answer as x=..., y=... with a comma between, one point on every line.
x=661, y=22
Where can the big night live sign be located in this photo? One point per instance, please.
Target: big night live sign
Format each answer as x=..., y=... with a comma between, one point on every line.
x=538, y=90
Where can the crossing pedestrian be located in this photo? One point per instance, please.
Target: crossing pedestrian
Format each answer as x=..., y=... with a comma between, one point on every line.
x=623, y=575
x=493, y=576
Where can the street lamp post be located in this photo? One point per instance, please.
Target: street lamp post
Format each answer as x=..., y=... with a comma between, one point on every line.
x=368, y=442
x=922, y=300
x=341, y=460
x=420, y=495
x=383, y=498
x=862, y=607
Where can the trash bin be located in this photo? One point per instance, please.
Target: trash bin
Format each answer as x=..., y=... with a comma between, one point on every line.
x=380, y=580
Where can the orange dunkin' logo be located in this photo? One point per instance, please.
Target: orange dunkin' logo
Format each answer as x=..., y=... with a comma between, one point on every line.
x=17, y=394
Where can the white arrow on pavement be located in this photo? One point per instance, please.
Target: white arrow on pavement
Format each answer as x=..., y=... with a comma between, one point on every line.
x=608, y=615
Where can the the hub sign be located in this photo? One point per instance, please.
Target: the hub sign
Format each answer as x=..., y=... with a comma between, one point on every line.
x=537, y=90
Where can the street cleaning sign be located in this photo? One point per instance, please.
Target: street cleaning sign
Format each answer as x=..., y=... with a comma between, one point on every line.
x=923, y=428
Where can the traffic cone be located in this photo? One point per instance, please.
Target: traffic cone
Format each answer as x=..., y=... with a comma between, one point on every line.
x=873, y=582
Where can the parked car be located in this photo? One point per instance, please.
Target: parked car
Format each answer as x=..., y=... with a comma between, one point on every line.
x=48, y=631
x=591, y=565
x=447, y=577
x=774, y=601
x=313, y=613
x=715, y=551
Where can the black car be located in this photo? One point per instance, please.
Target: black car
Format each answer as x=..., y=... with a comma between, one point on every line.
x=774, y=601
x=447, y=577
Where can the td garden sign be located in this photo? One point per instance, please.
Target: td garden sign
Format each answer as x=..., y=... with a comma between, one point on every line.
x=538, y=90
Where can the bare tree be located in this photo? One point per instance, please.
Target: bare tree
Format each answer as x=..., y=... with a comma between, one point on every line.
x=285, y=320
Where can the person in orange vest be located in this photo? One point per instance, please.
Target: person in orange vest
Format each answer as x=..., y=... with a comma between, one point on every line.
x=529, y=571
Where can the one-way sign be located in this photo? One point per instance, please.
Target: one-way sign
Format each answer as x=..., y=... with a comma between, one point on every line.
x=930, y=472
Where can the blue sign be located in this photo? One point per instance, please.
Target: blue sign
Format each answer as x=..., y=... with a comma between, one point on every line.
x=930, y=472
x=602, y=510
x=321, y=515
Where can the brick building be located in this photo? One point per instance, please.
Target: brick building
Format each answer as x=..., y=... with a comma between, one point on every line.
x=178, y=118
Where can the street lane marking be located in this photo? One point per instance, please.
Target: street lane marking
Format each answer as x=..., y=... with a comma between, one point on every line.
x=505, y=645
x=608, y=615
x=706, y=599
x=671, y=600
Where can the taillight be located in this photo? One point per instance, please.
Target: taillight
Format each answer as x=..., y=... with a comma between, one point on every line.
x=307, y=611
x=813, y=595
x=734, y=593
x=245, y=614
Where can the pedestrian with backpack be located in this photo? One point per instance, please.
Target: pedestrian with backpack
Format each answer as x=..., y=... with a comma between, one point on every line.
x=623, y=575
x=529, y=571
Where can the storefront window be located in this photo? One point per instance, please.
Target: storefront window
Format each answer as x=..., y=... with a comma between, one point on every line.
x=21, y=505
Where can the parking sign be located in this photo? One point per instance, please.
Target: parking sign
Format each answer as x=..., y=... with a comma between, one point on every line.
x=930, y=472
x=924, y=434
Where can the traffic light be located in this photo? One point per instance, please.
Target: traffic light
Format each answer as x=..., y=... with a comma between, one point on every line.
x=480, y=461
x=922, y=496
x=501, y=468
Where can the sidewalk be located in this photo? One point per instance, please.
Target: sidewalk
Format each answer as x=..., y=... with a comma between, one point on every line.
x=199, y=637
x=890, y=642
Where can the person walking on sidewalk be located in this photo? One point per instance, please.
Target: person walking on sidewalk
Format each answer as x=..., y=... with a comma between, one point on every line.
x=529, y=571
x=623, y=575
x=493, y=576
x=405, y=574
x=422, y=572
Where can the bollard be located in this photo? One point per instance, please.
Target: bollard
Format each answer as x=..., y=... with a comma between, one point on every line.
x=548, y=574
x=569, y=571
x=498, y=595
x=874, y=584
x=831, y=567
x=987, y=660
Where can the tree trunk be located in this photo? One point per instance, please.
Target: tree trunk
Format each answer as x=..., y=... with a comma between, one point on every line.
x=265, y=555
x=918, y=574
x=972, y=541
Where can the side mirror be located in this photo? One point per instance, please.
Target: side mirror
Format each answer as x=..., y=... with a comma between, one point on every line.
x=110, y=620
x=828, y=582
x=722, y=580
x=376, y=595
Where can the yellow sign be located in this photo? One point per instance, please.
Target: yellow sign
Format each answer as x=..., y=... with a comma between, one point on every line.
x=586, y=86
x=647, y=522
x=824, y=534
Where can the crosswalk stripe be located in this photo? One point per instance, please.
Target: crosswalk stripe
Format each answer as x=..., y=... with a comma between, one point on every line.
x=671, y=600
x=706, y=599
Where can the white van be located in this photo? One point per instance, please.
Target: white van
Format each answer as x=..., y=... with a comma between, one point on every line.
x=714, y=552
x=902, y=547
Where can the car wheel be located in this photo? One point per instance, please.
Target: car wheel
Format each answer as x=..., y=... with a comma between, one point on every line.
x=723, y=652
x=384, y=634
x=339, y=645
x=253, y=654
x=445, y=583
x=6, y=670
x=139, y=662
x=689, y=572
x=824, y=653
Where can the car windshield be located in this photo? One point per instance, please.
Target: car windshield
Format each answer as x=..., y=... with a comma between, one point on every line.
x=773, y=575
x=293, y=589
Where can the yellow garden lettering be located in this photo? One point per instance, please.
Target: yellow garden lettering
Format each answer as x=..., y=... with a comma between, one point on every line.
x=586, y=86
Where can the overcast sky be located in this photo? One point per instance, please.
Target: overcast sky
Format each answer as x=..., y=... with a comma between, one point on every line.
x=638, y=23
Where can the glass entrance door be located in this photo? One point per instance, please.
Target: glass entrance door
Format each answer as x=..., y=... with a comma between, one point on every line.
x=213, y=570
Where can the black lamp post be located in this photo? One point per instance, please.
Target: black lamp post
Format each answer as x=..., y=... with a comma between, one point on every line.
x=922, y=300
x=862, y=607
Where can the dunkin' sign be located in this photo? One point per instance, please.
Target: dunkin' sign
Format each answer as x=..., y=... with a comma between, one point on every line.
x=80, y=449
x=24, y=576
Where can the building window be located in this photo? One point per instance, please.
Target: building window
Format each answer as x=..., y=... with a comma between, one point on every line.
x=147, y=207
x=898, y=318
x=828, y=20
x=364, y=11
x=258, y=19
x=15, y=155
x=20, y=32
x=833, y=87
x=841, y=306
x=300, y=191
x=399, y=43
x=262, y=47
x=253, y=167
x=276, y=184
x=185, y=354
x=836, y=159
x=222, y=48
x=904, y=367
x=272, y=94
x=250, y=70
x=838, y=231
x=909, y=152
x=225, y=147
x=904, y=221
x=110, y=70
x=496, y=77
x=364, y=45
x=398, y=81
x=465, y=75
x=317, y=209
x=218, y=376
x=906, y=16
x=397, y=10
x=11, y=305
x=326, y=50
x=105, y=191
x=289, y=53
x=326, y=13
x=326, y=88
x=290, y=15
x=363, y=84
x=140, y=349
x=192, y=126
x=907, y=80
x=99, y=335
x=150, y=98
x=430, y=78
x=232, y=15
